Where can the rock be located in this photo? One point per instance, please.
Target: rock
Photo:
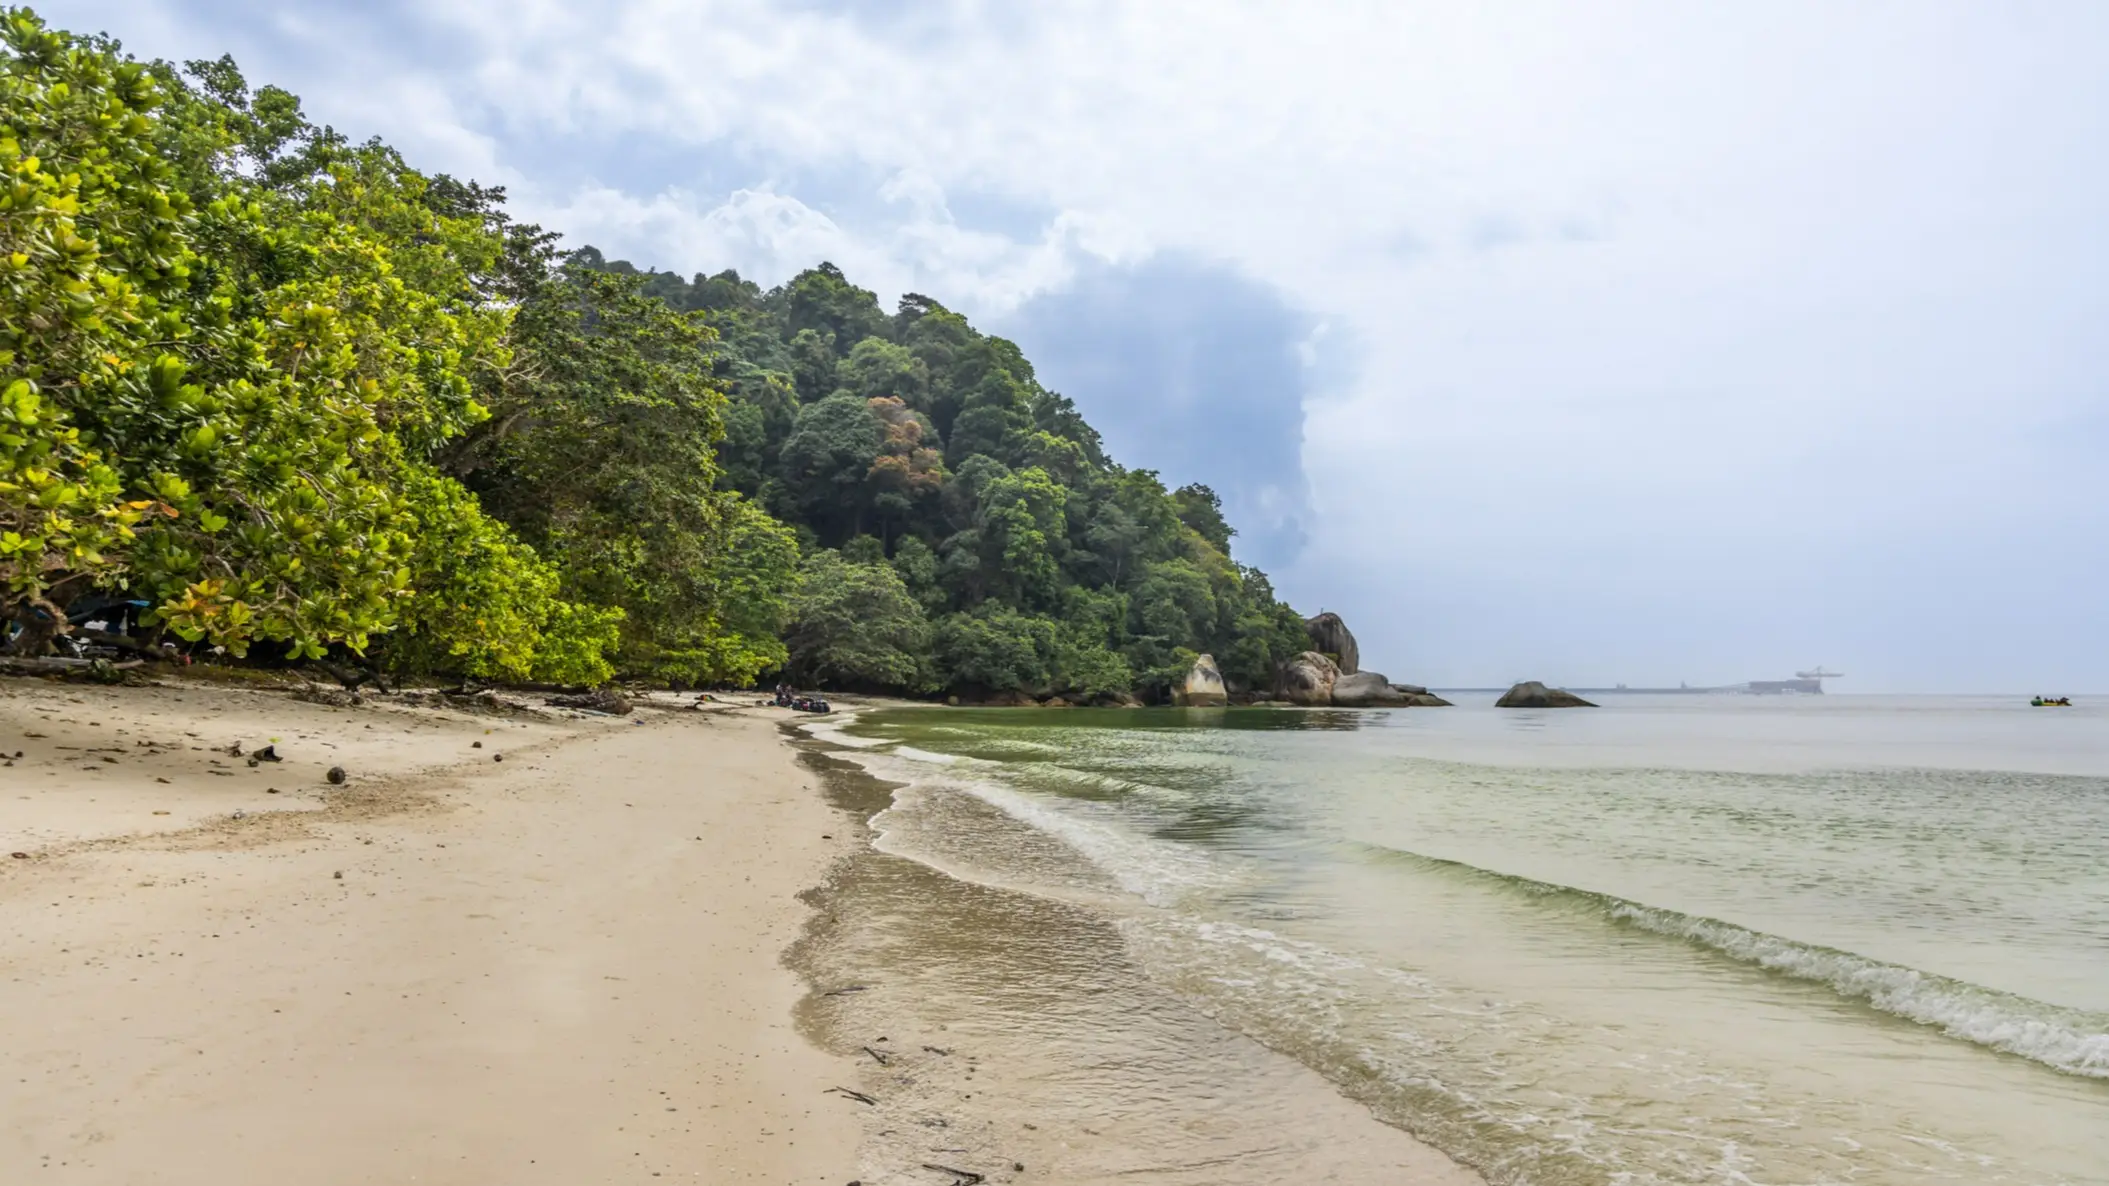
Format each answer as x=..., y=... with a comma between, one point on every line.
x=1203, y=687
x=1308, y=679
x=330, y=697
x=1423, y=699
x=1365, y=689
x=1329, y=636
x=603, y=700
x=1532, y=694
x=1054, y=702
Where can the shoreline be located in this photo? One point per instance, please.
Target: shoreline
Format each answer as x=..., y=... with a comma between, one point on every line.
x=1010, y=1034
x=513, y=950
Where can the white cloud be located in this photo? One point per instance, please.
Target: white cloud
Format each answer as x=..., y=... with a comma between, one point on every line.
x=1641, y=295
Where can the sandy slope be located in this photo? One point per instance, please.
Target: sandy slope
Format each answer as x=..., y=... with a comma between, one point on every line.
x=562, y=967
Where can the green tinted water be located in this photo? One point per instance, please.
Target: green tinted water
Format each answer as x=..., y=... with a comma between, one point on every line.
x=1673, y=940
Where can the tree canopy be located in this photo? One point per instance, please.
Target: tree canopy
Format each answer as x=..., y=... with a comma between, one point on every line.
x=290, y=391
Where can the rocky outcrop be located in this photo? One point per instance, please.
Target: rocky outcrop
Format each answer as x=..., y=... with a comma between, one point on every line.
x=1329, y=636
x=1308, y=679
x=1365, y=689
x=1532, y=694
x=1203, y=687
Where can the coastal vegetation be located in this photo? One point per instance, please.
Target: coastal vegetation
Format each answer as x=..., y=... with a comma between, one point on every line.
x=303, y=400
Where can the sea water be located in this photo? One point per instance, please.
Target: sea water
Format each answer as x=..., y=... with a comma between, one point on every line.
x=1673, y=939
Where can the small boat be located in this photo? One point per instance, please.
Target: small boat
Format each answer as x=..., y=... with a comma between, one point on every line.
x=2050, y=702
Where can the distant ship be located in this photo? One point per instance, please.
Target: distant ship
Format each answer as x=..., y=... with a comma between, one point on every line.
x=1805, y=682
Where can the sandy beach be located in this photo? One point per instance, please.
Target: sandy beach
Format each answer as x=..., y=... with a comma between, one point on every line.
x=508, y=949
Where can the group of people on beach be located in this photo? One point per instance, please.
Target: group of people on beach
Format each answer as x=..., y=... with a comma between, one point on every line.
x=787, y=698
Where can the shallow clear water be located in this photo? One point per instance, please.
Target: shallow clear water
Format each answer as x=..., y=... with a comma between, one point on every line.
x=1676, y=939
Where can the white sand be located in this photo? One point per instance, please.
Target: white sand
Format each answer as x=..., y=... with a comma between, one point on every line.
x=562, y=968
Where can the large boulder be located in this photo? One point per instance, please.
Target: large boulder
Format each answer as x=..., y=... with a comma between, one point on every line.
x=1308, y=679
x=1329, y=636
x=1532, y=694
x=1203, y=687
x=1365, y=689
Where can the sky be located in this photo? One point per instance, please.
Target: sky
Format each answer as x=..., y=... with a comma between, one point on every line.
x=1621, y=342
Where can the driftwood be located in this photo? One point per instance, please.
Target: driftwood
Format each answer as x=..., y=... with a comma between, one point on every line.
x=353, y=677
x=603, y=700
x=858, y=1096
x=59, y=665
x=878, y=1056
x=961, y=1177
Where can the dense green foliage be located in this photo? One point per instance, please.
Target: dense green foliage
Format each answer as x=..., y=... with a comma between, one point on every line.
x=1026, y=559
x=289, y=390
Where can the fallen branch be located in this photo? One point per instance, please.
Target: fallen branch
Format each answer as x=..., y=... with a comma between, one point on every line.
x=352, y=677
x=60, y=665
x=879, y=1057
x=858, y=1096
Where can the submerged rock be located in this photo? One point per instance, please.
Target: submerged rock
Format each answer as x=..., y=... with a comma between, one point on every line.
x=1532, y=694
x=1203, y=687
x=1330, y=636
x=1308, y=679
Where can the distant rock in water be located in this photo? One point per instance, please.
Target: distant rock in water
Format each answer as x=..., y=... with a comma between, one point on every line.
x=1203, y=687
x=1308, y=679
x=1330, y=636
x=1532, y=694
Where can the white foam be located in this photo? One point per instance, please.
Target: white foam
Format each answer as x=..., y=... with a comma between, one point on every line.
x=2067, y=1040
x=834, y=731
x=925, y=756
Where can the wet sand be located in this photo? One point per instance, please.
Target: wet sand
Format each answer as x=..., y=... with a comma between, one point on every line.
x=1009, y=1035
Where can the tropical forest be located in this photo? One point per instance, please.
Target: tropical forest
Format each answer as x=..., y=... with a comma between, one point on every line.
x=297, y=402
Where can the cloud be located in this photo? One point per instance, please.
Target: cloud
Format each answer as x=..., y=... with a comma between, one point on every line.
x=1189, y=368
x=1658, y=337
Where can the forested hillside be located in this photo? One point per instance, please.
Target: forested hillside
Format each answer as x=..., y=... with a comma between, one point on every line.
x=292, y=393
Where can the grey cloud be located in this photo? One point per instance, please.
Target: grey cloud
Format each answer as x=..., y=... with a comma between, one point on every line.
x=1194, y=370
